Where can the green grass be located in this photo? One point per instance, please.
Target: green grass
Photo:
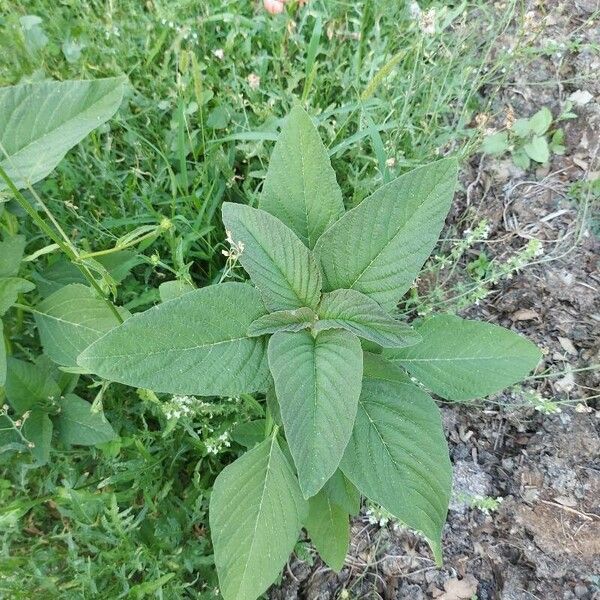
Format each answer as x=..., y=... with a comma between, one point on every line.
x=129, y=521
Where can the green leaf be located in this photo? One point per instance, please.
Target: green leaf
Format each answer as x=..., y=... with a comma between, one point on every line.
x=249, y=434
x=169, y=290
x=70, y=319
x=520, y=159
x=398, y=456
x=343, y=492
x=78, y=424
x=11, y=255
x=379, y=247
x=376, y=366
x=282, y=320
x=351, y=310
x=10, y=288
x=37, y=429
x=537, y=149
x=273, y=405
x=278, y=263
x=521, y=127
x=462, y=360
x=300, y=188
x=317, y=380
x=495, y=144
x=40, y=122
x=2, y=356
x=26, y=385
x=540, y=122
x=196, y=344
x=256, y=512
x=329, y=530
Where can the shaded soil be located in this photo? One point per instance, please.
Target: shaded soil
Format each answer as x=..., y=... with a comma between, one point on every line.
x=543, y=539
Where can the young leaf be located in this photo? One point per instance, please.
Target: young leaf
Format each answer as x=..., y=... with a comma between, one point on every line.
x=329, y=530
x=351, y=310
x=256, y=512
x=196, y=344
x=71, y=319
x=300, y=188
x=278, y=263
x=343, y=492
x=10, y=288
x=11, y=254
x=282, y=320
x=540, y=122
x=40, y=122
x=78, y=424
x=317, y=380
x=521, y=127
x=37, y=429
x=398, y=456
x=462, y=360
x=520, y=159
x=26, y=385
x=379, y=247
x=495, y=144
x=537, y=149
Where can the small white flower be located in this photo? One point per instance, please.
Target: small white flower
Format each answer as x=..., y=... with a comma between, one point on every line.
x=253, y=81
x=218, y=53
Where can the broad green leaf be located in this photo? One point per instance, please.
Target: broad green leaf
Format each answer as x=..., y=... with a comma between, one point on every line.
x=11, y=254
x=273, y=405
x=398, y=456
x=26, y=385
x=329, y=529
x=10, y=288
x=278, y=263
x=196, y=344
x=537, y=149
x=541, y=121
x=78, y=424
x=351, y=310
x=250, y=433
x=376, y=366
x=343, y=492
x=462, y=360
x=70, y=320
x=317, y=380
x=40, y=122
x=282, y=320
x=37, y=430
x=173, y=289
x=379, y=247
x=2, y=355
x=496, y=143
x=521, y=127
x=520, y=159
x=9, y=439
x=300, y=188
x=256, y=512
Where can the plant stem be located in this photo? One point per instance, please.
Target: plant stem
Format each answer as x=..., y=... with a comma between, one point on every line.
x=64, y=244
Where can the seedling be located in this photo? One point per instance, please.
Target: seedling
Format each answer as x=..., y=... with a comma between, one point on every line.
x=315, y=330
x=529, y=139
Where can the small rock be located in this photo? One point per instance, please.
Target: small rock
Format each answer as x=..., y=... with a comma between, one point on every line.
x=580, y=97
x=524, y=314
